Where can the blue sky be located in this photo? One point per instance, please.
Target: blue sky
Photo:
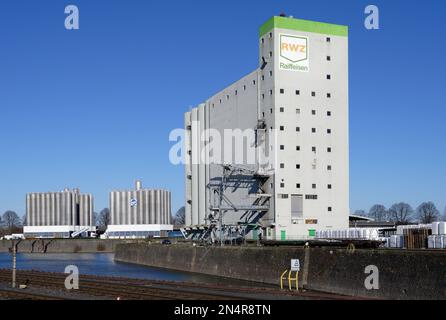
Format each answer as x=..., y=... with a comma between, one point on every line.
x=93, y=108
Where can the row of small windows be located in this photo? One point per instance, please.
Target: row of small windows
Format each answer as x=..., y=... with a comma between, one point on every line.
x=313, y=149
x=313, y=112
x=313, y=130
x=282, y=91
x=307, y=197
x=282, y=166
x=313, y=93
x=282, y=110
x=313, y=186
x=236, y=92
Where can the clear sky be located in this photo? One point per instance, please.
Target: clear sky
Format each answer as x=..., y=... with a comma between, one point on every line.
x=93, y=108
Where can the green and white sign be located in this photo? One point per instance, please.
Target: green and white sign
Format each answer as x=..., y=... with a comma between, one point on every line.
x=294, y=53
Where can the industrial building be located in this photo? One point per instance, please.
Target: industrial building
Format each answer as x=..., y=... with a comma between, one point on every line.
x=64, y=214
x=296, y=103
x=139, y=213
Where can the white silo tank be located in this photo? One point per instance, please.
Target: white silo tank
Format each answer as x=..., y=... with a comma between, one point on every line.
x=435, y=228
x=438, y=242
x=442, y=227
x=431, y=242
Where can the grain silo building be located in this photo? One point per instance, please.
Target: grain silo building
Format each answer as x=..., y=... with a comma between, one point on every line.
x=64, y=214
x=292, y=111
x=139, y=213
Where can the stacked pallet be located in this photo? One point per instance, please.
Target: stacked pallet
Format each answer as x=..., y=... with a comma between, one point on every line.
x=416, y=238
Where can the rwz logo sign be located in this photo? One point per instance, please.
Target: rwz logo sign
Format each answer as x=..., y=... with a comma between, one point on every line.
x=294, y=53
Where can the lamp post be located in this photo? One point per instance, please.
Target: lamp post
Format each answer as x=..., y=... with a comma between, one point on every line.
x=14, y=263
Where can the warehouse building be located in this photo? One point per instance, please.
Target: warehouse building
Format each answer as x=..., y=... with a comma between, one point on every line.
x=140, y=213
x=64, y=214
x=296, y=103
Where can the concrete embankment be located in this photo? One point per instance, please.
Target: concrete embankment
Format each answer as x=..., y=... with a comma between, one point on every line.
x=62, y=245
x=402, y=274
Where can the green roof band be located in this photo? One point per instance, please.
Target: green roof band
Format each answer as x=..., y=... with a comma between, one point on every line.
x=303, y=25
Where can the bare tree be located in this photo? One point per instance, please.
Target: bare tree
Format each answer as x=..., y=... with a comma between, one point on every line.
x=378, y=212
x=180, y=217
x=11, y=219
x=104, y=218
x=360, y=213
x=400, y=213
x=427, y=212
x=24, y=221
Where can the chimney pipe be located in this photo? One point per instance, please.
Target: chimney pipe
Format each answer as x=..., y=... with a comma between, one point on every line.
x=138, y=185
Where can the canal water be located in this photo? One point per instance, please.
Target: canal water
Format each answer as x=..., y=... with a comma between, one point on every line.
x=102, y=264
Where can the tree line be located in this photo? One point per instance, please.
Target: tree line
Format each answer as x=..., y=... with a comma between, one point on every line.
x=11, y=223
x=403, y=213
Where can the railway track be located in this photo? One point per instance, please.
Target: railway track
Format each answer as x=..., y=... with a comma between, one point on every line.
x=23, y=295
x=105, y=288
x=140, y=289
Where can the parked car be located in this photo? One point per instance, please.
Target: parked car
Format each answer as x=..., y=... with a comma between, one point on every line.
x=166, y=241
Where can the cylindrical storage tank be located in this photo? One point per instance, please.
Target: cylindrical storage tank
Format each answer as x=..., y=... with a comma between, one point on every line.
x=438, y=242
x=442, y=227
x=431, y=242
x=435, y=228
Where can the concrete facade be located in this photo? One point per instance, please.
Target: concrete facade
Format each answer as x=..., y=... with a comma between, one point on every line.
x=58, y=214
x=303, y=106
x=139, y=213
x=403, y=274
